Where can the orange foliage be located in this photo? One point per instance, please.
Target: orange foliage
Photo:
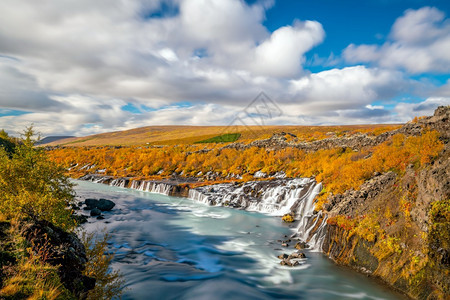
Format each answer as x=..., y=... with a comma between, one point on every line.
x=339, y=169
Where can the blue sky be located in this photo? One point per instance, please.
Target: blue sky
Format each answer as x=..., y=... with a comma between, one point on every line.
x=346, y=21
x=83, y=67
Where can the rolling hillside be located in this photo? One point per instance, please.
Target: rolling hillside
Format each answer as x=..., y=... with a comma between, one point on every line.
x=171, y=135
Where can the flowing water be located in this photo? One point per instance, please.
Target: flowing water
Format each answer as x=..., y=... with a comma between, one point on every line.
x=177, y=248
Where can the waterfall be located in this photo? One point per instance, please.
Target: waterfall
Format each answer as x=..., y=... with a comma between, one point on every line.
x=198, y=196
x=318, y=237
x=161, y=188
x=273, y=197
x=276, y=198
x=119, y=182
x=141, y=185
x=151, y=186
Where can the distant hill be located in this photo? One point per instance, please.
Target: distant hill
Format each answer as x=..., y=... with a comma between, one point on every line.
x=50, y=139
x=172, y=135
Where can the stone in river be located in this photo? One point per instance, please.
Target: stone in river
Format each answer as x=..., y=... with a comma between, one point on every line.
x=95, y=212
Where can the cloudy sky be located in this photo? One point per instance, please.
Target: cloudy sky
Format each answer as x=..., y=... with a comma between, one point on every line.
x=83, y=67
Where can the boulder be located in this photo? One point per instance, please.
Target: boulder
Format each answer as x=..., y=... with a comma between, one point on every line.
x=283, y=256
x=301, y=245
x=90, y=203
x=105, y=205
x=297, y=254
x=289, y=263
x=102, y=204
x=95, y=212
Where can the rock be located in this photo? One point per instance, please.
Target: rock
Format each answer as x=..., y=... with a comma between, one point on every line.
x=285, y=245
x=90, y=203
x=297, y=254
x=289, y=263
x=95, y=212
x=105, y=205
x=102, y=204
x=283, y=256
x=301, y=245
x=65, y=251
x=100, y=217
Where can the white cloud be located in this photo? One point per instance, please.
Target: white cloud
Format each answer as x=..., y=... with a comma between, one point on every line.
x=74, y=65
x=373, y=107
x=107, y=49
x=345, y=88
x=282, y=54
x=407, y=111
x=420, y=42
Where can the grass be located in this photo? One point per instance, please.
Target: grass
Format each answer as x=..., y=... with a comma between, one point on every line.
x=224, y=138
x=75, y=141
x=25, y=273
x=187, y=135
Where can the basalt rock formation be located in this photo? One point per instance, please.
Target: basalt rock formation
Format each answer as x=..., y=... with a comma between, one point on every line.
x=410, y=215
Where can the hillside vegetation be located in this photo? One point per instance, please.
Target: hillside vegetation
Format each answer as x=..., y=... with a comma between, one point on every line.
x=339, y=169
x=185, y=135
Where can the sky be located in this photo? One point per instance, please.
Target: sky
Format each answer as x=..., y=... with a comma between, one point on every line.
x=84, y=67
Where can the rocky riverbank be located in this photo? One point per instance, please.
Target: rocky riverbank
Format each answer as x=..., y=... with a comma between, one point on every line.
x=50, y=245
x=396, y=226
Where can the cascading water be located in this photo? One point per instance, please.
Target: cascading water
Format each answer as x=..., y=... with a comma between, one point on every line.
x=276, y=198
x=141, y=185
x=119, y=182
x=272, y=197
x=198, y=196
x=151, y=186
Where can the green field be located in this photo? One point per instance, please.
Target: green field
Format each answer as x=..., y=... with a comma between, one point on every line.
x=224, y=138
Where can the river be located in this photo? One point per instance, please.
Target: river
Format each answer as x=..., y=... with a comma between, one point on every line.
x=176, y=248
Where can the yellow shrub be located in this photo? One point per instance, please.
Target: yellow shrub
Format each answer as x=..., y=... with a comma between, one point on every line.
x=288, y=218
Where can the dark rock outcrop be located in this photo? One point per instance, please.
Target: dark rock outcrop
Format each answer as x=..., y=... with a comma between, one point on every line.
x=292, y=259
x=412, y=250
x=95, y=212
x=101, y=204
x=63, y=250
x=353, y=202
x=105, y=205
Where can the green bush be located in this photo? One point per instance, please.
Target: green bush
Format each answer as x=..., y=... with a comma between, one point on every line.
x=32, y=186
